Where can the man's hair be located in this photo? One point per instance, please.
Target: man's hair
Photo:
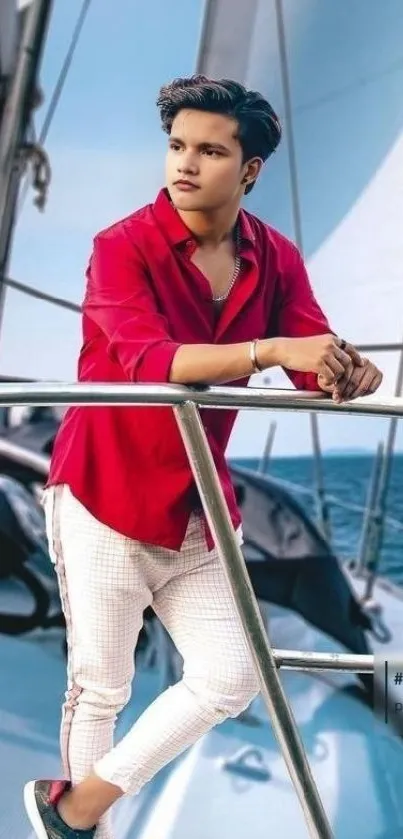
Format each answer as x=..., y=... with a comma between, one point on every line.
x=259, y=130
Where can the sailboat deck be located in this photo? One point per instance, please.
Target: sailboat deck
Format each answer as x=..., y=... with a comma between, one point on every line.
x=357, y=762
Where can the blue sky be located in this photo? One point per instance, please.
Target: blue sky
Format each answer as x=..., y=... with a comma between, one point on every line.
x=106, y=151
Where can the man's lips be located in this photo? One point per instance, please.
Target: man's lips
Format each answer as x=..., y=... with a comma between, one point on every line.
x=186, y=185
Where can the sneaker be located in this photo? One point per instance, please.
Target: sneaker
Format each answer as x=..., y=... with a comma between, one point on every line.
x=41, y=798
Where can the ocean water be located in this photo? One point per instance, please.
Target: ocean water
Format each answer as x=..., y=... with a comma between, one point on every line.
x=347, y=477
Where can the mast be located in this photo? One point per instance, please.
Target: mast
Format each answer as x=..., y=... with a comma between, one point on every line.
x=15, y=120
x=322, y=506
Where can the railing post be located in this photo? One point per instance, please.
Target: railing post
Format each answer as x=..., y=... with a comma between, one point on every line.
x=322, y=507
x=377, y=531
x=284, y=726
x=268, y=448
x=370, y=507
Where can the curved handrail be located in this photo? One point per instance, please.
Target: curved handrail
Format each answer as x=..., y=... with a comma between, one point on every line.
x=230, y=398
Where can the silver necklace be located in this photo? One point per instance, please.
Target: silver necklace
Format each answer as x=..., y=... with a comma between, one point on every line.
x=235, y=275
x=237, y=267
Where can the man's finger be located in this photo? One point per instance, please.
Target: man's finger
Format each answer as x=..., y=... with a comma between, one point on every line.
x=327, y=374
x=364, y=387
x=357, y=383
x=348, y=382
x=340, y=364
x=330, y=368
x=354, y=354
x=346, y=387
x=378, y=382
x=375, y=382
x=343, y=357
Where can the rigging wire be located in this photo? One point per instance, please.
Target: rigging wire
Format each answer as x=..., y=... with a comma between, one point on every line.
x=64, y=71
x=42, y=295
x=31, y=291
x=58, y=89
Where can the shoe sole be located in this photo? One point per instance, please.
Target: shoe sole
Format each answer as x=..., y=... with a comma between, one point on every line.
x=33, y=812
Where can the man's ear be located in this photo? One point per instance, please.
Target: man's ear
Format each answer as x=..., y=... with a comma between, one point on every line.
x=252, y=170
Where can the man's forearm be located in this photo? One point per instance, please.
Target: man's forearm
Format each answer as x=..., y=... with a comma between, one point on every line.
x=216, y=364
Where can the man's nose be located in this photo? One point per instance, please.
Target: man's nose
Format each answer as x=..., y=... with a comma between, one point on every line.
x=188, y=164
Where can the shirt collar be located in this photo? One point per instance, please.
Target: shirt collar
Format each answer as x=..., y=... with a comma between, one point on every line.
x=176, y=229
x=247, y=234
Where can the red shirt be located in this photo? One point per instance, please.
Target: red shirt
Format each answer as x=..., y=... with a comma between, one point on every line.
x=144, y=298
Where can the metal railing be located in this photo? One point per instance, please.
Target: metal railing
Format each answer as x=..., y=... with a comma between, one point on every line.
x=227, y=398
x=185, y=403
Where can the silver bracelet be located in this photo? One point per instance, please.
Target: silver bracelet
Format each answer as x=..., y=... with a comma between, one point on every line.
x=252, y=353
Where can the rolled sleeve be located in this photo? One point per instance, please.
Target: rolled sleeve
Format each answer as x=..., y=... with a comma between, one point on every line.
x=156, y=362
x=120, y=300
x=303, y=381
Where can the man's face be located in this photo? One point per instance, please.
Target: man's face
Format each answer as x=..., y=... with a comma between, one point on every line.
x=203, y=151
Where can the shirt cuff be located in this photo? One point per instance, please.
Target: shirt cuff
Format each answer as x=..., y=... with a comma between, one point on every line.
x=156, y=363
x=306, y=381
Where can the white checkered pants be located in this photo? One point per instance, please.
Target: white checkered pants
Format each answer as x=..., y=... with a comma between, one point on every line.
x=106, y=581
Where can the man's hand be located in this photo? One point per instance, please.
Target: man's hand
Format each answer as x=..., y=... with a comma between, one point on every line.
x=357, y=381
x=326, y=355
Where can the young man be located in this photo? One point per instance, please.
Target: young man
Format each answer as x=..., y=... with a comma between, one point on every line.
x=190, y=290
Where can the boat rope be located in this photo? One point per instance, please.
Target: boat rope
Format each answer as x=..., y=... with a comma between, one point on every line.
x=58, y=89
